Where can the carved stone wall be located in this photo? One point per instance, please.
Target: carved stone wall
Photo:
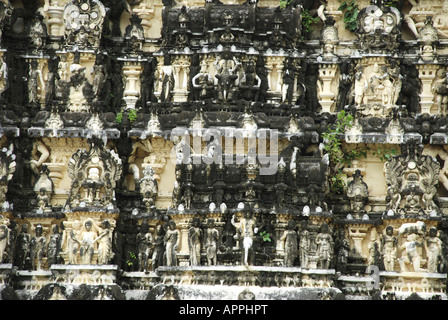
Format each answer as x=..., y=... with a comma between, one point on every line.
x=235, y=149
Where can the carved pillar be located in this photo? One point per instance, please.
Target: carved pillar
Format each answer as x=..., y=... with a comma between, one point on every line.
x=132, y=69
x=183, y=225
x=280, y=227
x=357, y=232
x=326, y=92
x=274, y=66
x=427, y=73
x=146, y=13
x=55, y=20
x=181, y=65
x=61, y=150
x=150, y=11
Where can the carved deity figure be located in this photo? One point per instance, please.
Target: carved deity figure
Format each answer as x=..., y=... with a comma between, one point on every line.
x=250, y=82
x=202, y=82
x=324, y=242
x=246, y=234
x=38, y=32
x=22, y=257
x=389, y=248
x=194, y=242
x=36, y=83
x=304, y=244
x=433, y=248
x=360, y=85
x=104, y=240
x=44, y=189
x=4, y=80
x=37, y=248
x=410, y=256
x=87, y=238
x=374, y=250
x=428, y=37
x=289, y=81
x=166, y=78
x=54, y=246
x=171, y=240
x=63, y=68
x=226, y=75
x=357, y=192
x=148, y=188
x=84, y=22
x=145, y=246
x=99, y=73
x=4, y=239
x=211, y=242
x=72, y=243
x=159, y=248
x=289, y=240
x=440, y=89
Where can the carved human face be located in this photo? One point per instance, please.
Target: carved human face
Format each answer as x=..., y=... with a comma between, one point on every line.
x=389, y=231
x=94, y=174
x=432, y=232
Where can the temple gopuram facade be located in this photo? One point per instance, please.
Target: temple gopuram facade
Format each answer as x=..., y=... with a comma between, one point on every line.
x=223, y=149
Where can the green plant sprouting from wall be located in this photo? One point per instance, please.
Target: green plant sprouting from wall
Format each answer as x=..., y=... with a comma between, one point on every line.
x=265, y=236
x=307, y=21
x=307, y=18
x=132, y=258
x=131, y=115
x=351, y=12
x=339, y=158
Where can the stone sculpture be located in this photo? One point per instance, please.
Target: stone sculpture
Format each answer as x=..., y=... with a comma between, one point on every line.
x=94, y=175
x=211, y=242
x=171, y=241
x=289, y=239
x=304, y=244
x=37, y=248
x=148, y=188
x=145, y=245
x=325, y=247
x=195, y=235
x=54, y=246
x=389, y=248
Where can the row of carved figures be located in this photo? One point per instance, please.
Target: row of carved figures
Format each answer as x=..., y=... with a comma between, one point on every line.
x=227, y=78
x=136, y=248
x=28, y=251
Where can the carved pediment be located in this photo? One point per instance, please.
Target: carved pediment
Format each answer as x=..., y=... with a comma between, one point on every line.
x=94, y=175
x=412, y=179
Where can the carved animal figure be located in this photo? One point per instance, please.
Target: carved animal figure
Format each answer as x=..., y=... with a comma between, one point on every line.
x=416, y=227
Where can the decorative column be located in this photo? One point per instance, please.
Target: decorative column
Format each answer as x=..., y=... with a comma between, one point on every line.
x=132, y=69
x=357, y=232
x=55, y=19
x=150, y=11
x=145, y=12
x=183, y=223
x=181, y=65
x=274, y=66
x=327, y=77
x=427, y=74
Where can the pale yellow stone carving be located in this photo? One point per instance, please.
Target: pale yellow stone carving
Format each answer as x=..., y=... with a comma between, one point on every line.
x=327, y=85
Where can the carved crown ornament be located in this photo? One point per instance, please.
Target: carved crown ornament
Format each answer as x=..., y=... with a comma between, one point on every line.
x=379, y=28
x=83, y=22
